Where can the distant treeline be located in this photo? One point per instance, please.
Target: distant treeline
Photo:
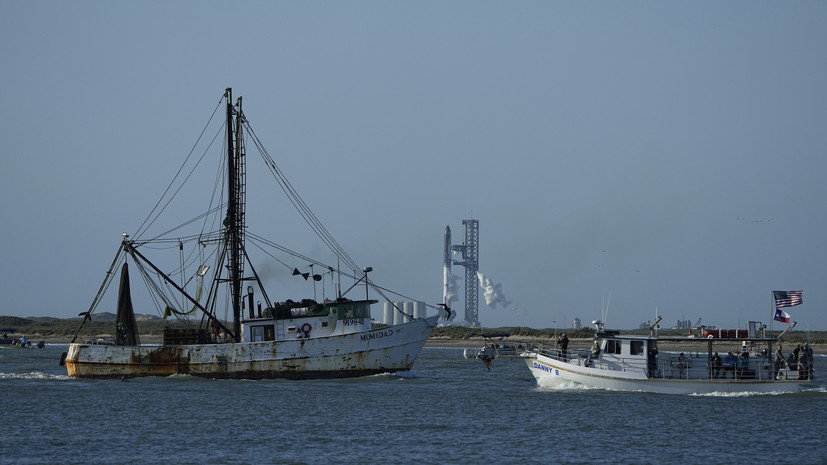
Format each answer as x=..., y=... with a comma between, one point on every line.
x=105, y=324
x=56, y=327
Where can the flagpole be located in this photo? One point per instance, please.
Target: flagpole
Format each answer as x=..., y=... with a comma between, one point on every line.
x=772, y=312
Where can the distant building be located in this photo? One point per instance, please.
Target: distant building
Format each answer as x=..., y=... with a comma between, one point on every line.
x=683, y=324
x=575, y=324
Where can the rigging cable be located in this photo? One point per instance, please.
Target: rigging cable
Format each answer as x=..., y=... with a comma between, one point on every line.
x=294, y=197
x=140, y=229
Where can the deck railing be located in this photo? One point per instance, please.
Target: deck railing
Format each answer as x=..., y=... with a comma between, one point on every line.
x=701, y=368
x=691, y=368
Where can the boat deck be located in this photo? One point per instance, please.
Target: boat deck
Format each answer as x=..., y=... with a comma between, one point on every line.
x=695, y=366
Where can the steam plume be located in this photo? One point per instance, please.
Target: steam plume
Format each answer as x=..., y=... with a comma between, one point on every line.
x=493, y=292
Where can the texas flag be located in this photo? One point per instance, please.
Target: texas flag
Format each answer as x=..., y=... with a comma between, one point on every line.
x=783, y=317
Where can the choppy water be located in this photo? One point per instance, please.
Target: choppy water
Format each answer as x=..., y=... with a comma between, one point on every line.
x=446, y=410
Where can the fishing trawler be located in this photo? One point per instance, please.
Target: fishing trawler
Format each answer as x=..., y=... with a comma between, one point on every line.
x=222, y=330
x=700, y=365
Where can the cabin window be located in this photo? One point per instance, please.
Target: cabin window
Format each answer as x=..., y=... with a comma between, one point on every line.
x=262, y=333
x=613, y=347
x=298, y=312
x=324, y=324
x=349, y=312
x=636, y=348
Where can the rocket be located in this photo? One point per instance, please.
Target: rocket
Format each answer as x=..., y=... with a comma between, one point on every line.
x=446, y=266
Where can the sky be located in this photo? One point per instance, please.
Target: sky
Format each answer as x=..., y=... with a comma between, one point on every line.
x=670, y=155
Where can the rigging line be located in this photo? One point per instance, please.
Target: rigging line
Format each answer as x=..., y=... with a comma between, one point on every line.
x=217, y=189
x=317, y=226
x=181, y=186
x=138, y=256
x=378, y=289
x=186, y=262
x=192, y=150
x=203, y=262
x=299, y=203
x=272, y=244
x=157, y=293
x=107, y=281
x=162, y=243
x=305, y=211
x=259, y=247
x=159, y=237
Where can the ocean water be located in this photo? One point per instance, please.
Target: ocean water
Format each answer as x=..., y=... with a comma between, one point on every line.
x=446, y=410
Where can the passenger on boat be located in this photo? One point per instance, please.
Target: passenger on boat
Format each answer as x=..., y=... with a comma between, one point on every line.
x=652, y=360
x=563, y=344
x=743, y=364
x=595, y=354
x=682, y=364
x=730, y=364
x=716, y=366
x=779, y=361
x=805, y=361
x=810, y=365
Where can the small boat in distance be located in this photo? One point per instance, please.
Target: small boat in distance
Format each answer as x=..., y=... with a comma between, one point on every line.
x=702, y=365
x=210, y=278
x=14, y=342
x=496, y=345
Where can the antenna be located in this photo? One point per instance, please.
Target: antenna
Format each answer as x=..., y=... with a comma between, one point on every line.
x=604, y=314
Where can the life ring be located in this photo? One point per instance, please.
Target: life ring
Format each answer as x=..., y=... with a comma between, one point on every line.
x=306, y=329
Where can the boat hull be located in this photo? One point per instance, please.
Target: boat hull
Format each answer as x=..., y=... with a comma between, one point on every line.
x=384, y=350
x=549, y=371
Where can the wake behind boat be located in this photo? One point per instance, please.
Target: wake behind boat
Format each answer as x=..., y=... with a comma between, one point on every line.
x=704, y=365
x=265, y=339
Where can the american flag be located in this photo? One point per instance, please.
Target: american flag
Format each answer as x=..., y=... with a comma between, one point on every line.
x=787, y=298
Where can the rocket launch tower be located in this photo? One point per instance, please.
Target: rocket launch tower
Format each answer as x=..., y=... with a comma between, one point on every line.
x=470, y=260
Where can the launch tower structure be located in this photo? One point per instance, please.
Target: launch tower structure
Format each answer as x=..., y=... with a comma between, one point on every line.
x=470, y=260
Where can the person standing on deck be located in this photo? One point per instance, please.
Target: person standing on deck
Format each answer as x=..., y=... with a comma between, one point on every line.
x=743, y=364
x=652, y=359
x=563, y=343
x=716, y=366
x=779, y=361
x=682, y=364
x=809, y=360
x=594, y=355
x=805, y=362
x=730, y=364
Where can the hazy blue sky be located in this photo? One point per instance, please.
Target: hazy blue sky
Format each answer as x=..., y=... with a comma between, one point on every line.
x=671, y=152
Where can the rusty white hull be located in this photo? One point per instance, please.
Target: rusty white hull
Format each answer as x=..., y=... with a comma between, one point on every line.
x=385, y=350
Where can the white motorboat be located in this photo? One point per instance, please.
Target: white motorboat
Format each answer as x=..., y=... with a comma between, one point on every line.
x=633, y=363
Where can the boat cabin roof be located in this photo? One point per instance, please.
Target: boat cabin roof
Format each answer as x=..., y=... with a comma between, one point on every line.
x=614, y=335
